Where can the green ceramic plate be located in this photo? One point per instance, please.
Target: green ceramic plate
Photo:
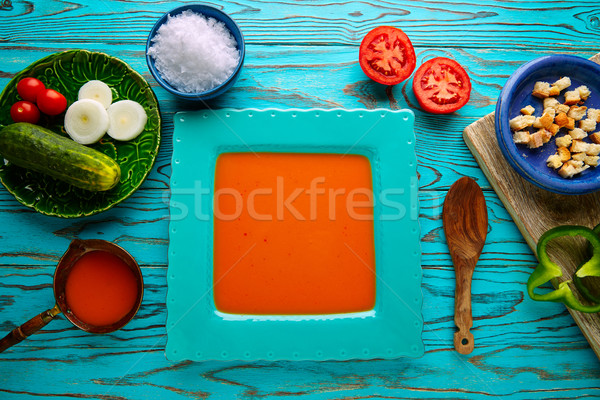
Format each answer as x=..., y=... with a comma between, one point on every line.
x=66, y=72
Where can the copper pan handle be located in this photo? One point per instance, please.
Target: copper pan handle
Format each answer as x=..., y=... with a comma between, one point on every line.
x=28, y=328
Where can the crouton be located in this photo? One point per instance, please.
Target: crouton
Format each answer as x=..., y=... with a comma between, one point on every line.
x=541, y=90
x=572, y=97
x=527, y=110
x=546, y=135
x=551, y=102
x=593, y=113
x=584, y=92
x=592, y=161
x=521, y=137
x=570, y=123
x=587, y=125
x=561, y=119
x=554, y=91
x=564, y=141
x=578, y=134
x=579, y=146
x=577, y=113
x=536, y=140
x=563, y=108
x=546, y=120
x=521, y=122
x=564, y=154
x=571, y=168
x=595, y=137
x=562, y=83
x=579, y=156
x=550, y=111
x=582, y=168
x=593, y=149
x=576, y=164
x=554, y=161
x=554, y=129
x=567, y=170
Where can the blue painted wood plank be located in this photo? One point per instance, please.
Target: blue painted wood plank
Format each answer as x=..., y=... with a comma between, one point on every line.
x=490, y=24
x=140, y=225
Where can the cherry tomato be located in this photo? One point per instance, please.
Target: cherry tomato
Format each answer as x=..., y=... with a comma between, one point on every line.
x=387, y=56
x=25, y=111
x=441, y=86
x=51, y=102
x=28, y=88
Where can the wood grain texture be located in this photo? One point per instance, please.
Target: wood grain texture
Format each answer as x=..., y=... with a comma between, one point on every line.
x=535, y=210
x=302, y=54
x=321, y=22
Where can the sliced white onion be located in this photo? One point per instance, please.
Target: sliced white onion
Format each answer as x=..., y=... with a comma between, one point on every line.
x=96, y=90
x=127, y=120
x=86, y=121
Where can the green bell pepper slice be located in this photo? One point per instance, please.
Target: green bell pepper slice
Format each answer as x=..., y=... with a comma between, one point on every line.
x=547, y=270
x=583, y=289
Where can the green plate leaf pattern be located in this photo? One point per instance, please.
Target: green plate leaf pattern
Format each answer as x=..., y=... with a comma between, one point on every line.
x=66, y=72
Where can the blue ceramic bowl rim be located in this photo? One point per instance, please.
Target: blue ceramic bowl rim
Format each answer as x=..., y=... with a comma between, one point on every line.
x=504, y=133
x=199, y=8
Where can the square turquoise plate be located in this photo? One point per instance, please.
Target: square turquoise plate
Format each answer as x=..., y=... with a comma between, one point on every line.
x=197, y=331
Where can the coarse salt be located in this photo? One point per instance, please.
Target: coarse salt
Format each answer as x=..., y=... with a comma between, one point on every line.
x=194, y=53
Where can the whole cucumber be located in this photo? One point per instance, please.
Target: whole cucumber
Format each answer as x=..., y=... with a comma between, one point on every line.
x=39, y=149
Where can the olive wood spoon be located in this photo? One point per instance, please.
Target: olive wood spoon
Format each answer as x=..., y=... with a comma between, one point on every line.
x=465, y=225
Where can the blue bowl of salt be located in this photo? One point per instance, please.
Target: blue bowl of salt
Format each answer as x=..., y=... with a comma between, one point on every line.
x=197, y=62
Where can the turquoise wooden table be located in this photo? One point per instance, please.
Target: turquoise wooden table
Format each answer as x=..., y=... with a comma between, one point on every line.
x=302, y=54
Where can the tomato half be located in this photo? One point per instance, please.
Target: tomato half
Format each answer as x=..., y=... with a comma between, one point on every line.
x=387, y=56
x=51, y=102
x=25, y=111
x=441, y=86
x=28, y=88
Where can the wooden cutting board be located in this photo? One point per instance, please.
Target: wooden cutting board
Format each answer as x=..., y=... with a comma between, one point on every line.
x=536, y=210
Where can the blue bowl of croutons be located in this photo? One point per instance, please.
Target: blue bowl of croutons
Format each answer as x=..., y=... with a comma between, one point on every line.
x=548, y=123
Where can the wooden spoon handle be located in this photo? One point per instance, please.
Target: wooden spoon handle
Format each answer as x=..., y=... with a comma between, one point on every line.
x=463, y=338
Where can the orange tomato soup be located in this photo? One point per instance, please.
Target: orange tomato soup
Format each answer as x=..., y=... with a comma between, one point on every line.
x=293, y=234
x=100, y=288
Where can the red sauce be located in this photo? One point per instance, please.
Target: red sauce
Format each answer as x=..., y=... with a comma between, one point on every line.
x=101, y=288
x=311, y=257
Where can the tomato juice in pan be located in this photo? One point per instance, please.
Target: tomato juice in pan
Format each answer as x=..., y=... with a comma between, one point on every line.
x=101, y=289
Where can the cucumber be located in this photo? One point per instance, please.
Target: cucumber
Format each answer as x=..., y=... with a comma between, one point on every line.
x=39, y=149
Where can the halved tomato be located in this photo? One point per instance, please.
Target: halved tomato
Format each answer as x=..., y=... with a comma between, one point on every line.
x=441, y=86
x=387, y=56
